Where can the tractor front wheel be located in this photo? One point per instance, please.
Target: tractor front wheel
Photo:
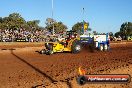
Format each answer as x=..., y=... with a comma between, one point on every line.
x=49, y=52
x=43, y=51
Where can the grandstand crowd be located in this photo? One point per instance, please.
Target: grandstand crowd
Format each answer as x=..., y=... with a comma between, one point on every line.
x=10, y=35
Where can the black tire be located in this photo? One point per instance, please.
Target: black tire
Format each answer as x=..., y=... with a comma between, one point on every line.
x=49, y=52
x=43, y=51
x=92, y=46
x=76, y=46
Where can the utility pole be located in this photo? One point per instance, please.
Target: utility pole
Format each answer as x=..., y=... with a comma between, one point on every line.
x=83, y=14
x=53, y=16
x=83, y=22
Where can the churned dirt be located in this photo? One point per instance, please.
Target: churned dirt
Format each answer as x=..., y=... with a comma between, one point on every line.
x=21, y=66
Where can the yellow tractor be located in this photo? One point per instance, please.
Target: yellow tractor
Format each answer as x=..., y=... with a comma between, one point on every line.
x=70, y=44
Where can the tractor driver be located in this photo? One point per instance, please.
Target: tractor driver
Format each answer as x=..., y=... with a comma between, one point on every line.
x=62, y=41
x=72, y=36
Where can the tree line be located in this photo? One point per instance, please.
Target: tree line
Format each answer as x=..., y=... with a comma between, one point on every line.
x=125, y=30
x=15, y=21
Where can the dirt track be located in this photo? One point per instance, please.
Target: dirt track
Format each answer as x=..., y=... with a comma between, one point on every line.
x=24, y=67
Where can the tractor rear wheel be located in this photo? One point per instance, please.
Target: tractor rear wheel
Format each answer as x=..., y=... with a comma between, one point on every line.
x=76, y=46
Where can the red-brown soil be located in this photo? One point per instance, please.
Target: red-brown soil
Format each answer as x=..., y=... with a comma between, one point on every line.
x=21, y=66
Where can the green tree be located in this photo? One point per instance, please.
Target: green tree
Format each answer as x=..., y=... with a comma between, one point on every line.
x=117, y=34
x=16, y=18
x=129, y=29
x=16, y=21
x=3, y=26
x=126, y=29
x=33, y=24
x=79, y=26
x=58, y=26
x=1, y=19
x=111, y=34
x=49, y=21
